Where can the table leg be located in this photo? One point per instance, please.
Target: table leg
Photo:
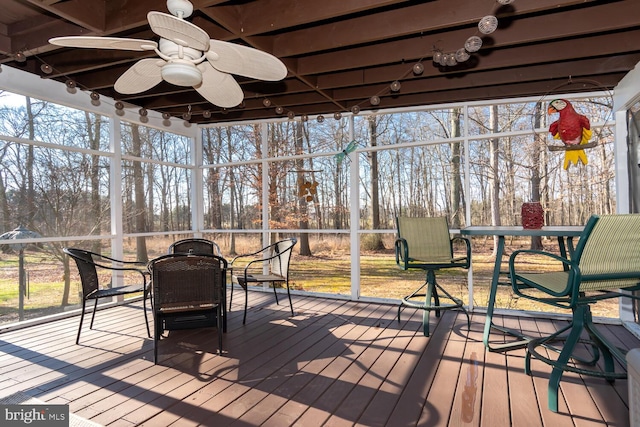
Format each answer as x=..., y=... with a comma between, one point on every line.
x=490, y=306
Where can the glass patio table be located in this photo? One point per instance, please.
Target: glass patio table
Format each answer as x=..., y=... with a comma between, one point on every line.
x=564, y=234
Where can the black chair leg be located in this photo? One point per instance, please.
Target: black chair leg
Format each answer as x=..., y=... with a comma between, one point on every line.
x=93, y=315
x=81, y=319
x=246, y=303
x=289, y=295
x=273, y=285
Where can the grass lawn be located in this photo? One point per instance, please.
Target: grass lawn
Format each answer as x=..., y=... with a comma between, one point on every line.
x=328, y=272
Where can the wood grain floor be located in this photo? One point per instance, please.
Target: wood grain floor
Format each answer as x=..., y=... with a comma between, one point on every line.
x=335, y=363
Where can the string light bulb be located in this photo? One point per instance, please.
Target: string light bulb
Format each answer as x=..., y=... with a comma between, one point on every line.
x=206, y=114
x=20, y=57
x=95, y=96
x=266, y=102
x=374, y=100
x=395, y=86
x=337, y=115
x=46, y=68
x=418, y=68
x=488, y=24
x=320, y=118
x=166, y=116
x=355, y=109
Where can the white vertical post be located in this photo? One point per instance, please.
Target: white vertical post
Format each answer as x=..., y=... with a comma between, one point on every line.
x=197, y=184
x=115, y=183
x=354, y=217
x=467, y=192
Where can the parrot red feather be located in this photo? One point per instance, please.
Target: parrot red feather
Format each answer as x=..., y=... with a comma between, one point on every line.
x=571, y=128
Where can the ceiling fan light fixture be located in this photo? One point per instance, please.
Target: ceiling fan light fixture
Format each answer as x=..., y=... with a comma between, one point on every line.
x=181, y=73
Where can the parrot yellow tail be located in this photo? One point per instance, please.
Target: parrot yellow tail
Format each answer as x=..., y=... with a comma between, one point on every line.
x=573, y=156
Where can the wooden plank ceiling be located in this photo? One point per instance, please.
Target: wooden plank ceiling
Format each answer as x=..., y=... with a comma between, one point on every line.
x=340, y=53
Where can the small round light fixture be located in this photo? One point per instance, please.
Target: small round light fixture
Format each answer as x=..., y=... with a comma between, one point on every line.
x=418, y=68
x=337, y=115
x=395, y=86
x=488, y=24
x=266, y=102
x=46, y=68
x=70, y=84
x=186, y=116
x=206, y=114
x=95, y=96
x=355, y=109
x=320, y=118
x=462, y=55
x=374, y=100
x=119, y=106
x=291, y=115
x=451, y=59
x=304, y=117
x=473, y=44
x=279, y=110
x=143, y=112
x=166, y=116
x=20, y=57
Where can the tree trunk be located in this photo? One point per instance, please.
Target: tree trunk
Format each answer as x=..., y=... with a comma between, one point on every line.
x=376, y=243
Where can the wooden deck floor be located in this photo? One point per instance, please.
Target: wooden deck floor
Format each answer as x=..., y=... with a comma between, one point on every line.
x=335, y=363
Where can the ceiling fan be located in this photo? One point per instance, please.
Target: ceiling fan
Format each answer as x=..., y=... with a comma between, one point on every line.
x=187, y=58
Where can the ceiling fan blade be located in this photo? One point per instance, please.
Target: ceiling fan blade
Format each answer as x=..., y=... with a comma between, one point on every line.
x=218, y=88
x=104, y=43
x=143, y=75
x=178, y=30
x=245, y=61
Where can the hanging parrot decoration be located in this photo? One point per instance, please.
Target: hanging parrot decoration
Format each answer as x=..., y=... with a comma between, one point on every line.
x=572, y=128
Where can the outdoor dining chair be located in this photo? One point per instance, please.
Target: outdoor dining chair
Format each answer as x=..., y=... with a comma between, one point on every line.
x=268, y=265
x=187, y=293
x=88, y=265
x=425, y=243
x=605, y=261
x=195, y=246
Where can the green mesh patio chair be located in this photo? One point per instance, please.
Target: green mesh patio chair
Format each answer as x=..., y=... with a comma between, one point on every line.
x=605, y=261
x=426, y=244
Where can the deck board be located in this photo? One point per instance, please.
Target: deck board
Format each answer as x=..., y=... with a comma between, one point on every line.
x=334, y=363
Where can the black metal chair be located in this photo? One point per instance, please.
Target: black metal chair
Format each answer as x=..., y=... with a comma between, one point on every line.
x=88, y=264
x=426, y=244
x=268, y=265
x=195, y=246
x=187, y=293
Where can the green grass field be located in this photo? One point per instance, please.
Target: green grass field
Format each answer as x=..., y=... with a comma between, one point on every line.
x=327, y=272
